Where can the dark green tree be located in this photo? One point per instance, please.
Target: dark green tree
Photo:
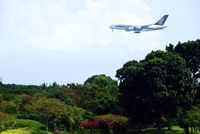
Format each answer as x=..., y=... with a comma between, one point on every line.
x=8, y=107
x=190, y=118
x=155, y=87
x=6, y=121
x=190, y=51
x=64, y=94
x=73, y=116
x=47, y=109
x=99, y=94
x=23, y=103
x=111, y=120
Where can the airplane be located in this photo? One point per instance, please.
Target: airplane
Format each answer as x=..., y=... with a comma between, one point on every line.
x=141, y=28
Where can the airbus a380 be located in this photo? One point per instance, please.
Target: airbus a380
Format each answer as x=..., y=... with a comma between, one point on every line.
x=138, y=28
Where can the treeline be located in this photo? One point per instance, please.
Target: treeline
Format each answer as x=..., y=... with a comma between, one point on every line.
x=61, y=107
x=160, y=90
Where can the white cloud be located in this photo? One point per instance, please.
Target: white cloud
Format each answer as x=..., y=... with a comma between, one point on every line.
x=53, y=24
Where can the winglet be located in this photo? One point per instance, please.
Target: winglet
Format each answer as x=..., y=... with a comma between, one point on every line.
x=162, y=20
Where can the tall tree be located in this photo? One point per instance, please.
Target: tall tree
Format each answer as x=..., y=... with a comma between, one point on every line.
x=47, y=109
x=99, y=94
x=190, y=51
x=154, y=87
x=6, y=121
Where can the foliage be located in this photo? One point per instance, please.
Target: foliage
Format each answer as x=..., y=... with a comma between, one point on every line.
x=23, y=103
x=64, y=94
x=190, y=119
x=108, y=122
x=75, y=115
x=112, y=118
x=190, y=51
x=47, y=109
x=8, y=107
x=104, y=126
x=91, y=124
x=6, y=121
x=151, y=91
x=71, y=117
x=154, y=87
x=99, y=94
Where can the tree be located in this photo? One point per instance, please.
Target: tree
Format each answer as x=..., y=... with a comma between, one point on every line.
x=155, y=87
x=112, y=120
x=190, y=51
x=23, y=103
x=64, y=94
x=47, y=109
x=8, y=107
x=190, y=118
x=99, y=94
x=6, y=121
x=73, y=116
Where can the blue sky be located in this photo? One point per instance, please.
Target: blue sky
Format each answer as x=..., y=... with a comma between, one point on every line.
x=42, y=41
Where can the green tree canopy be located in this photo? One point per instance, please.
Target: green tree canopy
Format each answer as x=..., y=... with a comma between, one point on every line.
x=6, y=121
x=112, y=118
x=99, y=94
x=47, y=109
x=74, y=115
x=190, y=51
x=154, y=87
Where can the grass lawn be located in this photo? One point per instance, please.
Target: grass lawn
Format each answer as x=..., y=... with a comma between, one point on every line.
x=25, y=126
x=175, y=130
x=24, y=131
x=21, y=123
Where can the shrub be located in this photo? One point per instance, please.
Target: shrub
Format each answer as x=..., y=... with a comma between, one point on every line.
x=6, y=121
x=108, y=122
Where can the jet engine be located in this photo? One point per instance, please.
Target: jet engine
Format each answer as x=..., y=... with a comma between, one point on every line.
x=137, y=28
x=130, y=29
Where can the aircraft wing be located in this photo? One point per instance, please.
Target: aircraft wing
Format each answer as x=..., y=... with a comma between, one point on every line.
x=145, y=26
x=152, y=28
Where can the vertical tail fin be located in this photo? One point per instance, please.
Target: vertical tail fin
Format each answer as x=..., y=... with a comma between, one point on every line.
x=162, y=20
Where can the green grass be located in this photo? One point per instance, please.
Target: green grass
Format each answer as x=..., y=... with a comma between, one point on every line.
x=24, y=131
x=26, y=123
x=25, y=126
x=174, y=130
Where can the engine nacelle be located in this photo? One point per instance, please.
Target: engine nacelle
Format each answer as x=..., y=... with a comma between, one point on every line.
x=137, y=28
x=129, y=29
x=134, y=28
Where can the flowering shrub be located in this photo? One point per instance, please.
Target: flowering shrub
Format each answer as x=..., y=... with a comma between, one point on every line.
x=90, y=124
x=102, y=125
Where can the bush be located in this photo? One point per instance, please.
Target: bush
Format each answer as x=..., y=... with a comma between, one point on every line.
x=109, y=122
x=6, y=121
